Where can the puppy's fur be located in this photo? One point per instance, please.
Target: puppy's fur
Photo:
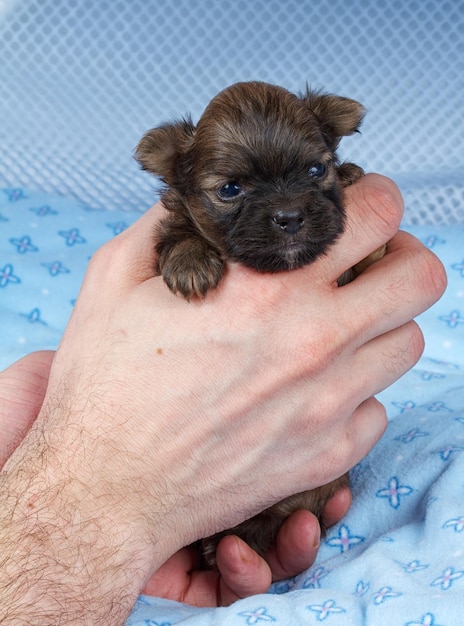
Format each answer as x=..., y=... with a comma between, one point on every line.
x=257, y=181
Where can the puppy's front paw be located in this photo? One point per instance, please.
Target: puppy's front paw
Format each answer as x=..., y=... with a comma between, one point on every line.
x=191, y=268
x=349, y=173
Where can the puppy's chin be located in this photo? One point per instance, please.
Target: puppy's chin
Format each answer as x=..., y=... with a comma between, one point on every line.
x=295, y=255
x=289, y=255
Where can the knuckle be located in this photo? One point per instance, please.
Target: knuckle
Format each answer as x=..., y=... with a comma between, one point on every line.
x=102, y=258
x=423, y=277
x=426, y=275
x=406, y=351
x=120, y=260
x=383, y=198
x=416, y=341
x=433, y=275
x=316, y=350
x=338, y=456
x=327, y=407
x=107, y=258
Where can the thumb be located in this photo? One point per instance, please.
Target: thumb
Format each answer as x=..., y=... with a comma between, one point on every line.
x=22, y=390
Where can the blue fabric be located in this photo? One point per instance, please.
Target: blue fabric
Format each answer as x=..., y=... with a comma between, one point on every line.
x=398, y=555
x=45, y=244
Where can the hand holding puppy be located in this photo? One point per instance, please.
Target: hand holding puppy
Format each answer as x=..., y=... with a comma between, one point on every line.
x=257, y=181
x=152, y=434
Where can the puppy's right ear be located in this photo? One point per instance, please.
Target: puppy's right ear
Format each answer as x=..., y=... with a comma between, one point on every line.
x=160, y=149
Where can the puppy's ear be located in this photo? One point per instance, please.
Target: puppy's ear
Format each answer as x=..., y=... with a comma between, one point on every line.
x=160, y=149
x=338, y=116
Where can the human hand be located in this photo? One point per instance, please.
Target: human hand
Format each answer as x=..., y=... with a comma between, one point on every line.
x=161, y=416
x=241, y=571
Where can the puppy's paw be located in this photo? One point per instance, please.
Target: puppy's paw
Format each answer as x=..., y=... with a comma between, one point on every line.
x=349, y=173
x=260, y=532
x=191, y=268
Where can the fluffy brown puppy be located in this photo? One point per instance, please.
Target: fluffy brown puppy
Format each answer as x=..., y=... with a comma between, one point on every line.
x=257, y=181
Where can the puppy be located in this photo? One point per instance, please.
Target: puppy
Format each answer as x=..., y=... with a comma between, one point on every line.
x=257, y=181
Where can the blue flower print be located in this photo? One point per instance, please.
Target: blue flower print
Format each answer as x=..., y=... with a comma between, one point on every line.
x=447, y=579
x=457, y=524
x=23, y=245
x=426, y=620
x=7, y=276
x=453, y=319
x=394, y=491
x=385, y=593
x=325, y=610
x=257, y=615
x=72, y=236
x=345, y=540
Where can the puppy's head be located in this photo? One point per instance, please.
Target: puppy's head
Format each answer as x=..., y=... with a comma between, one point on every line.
x=258, y=174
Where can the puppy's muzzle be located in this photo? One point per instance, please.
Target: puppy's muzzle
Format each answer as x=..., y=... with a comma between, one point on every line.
x=290, y=221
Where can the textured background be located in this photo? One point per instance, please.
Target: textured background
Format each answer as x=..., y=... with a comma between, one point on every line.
x=81, y=80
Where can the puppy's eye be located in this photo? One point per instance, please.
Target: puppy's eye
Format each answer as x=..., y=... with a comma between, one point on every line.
x=229, y=191
x=317, y=170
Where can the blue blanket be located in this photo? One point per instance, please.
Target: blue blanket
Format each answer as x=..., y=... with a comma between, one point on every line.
x=397, y=558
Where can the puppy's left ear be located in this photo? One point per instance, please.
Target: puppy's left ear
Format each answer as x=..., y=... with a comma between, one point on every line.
x=338, y=116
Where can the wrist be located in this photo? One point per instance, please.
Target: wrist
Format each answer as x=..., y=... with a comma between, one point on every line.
x=73, y=547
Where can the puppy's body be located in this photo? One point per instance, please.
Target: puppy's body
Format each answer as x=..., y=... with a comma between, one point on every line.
x=257, y=181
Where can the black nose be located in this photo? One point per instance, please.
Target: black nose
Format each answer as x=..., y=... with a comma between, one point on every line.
x=289, y=221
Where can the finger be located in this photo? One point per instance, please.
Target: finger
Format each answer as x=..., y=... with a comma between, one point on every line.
x=337, y=507
x=368, y=424
x=296, y=546
x=374, y=209
x=173, y=577
x=376, y=365
x=22, y=390
x=386, y=358
x=369, y=370
x=353, y=440
x=244, y=573
x=179, y=579
x=401, y=285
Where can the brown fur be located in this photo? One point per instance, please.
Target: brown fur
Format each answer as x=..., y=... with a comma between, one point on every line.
x=256, y=181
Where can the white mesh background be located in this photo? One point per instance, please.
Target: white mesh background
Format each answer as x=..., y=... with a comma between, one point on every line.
x=81, y=80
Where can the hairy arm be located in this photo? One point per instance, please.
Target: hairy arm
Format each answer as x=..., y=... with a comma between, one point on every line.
x=65, y=544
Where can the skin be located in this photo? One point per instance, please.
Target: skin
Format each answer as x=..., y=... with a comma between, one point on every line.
x=241, y=571
x=134, y=453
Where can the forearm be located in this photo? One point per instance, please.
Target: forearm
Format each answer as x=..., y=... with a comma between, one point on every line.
x=73, y=550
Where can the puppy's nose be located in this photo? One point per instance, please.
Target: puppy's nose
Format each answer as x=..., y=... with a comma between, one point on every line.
x=289, y=221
